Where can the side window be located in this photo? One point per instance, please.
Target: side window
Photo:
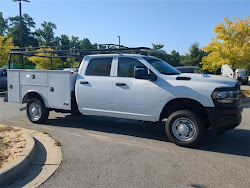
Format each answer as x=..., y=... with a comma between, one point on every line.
x=126, y=66
x=99, y=66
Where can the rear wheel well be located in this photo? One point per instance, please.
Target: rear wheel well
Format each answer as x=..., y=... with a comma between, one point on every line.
x=185, y=104
x=31, y=95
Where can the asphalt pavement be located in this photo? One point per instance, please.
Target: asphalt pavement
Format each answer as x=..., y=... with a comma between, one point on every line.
x=112, y=152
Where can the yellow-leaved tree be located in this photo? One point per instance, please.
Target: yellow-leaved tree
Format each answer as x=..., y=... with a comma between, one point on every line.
x=5, y=46
x=230, y=46
x=72, y=62
x=44, y=62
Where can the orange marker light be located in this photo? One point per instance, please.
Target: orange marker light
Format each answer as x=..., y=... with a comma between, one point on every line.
x=215, y=94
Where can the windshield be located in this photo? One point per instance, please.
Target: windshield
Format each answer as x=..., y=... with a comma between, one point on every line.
x=162, y=66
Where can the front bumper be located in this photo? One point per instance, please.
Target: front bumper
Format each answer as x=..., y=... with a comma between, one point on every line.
x=223, y=119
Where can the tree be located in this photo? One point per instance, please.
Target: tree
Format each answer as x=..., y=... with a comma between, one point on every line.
x=46, y=35
x=5, y=45
x=72, y=62
x=158, y=46
x=29, y=37
x=230, y=46
x=174, y=59
x=194, y=57
x=56, y=41
x=64, y=40
x=86, y=44
x=44, y=62
x=74, y=40
x=3, y=25
x=248, y=68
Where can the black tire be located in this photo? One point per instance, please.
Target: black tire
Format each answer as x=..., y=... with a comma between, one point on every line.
x=36, y=111
x=74, y=106
x=184, y=128
x=75, y=113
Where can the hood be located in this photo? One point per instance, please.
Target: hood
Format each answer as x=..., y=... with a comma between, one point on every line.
x=220, y=80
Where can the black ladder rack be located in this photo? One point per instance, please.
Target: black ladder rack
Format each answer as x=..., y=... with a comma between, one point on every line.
x=78, y=51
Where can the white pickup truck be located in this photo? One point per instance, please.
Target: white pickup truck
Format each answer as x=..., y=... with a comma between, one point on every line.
x=132, y=86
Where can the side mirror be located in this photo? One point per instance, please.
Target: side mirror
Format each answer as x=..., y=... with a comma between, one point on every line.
x=141, y=72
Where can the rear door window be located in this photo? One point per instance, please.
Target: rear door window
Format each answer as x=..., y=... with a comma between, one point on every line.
x=99, y=66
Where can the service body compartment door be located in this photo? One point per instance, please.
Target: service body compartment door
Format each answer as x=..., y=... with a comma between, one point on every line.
x=34, y=78
x=13, y=86
x=59, y=91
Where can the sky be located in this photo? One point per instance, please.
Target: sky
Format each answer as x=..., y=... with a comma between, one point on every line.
x=175, y=23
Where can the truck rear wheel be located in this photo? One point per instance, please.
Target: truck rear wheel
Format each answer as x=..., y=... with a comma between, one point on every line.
x=36, y=111
x=184, y=128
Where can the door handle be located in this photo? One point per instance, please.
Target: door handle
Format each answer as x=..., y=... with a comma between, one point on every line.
x=84, y=82
x=120, y=84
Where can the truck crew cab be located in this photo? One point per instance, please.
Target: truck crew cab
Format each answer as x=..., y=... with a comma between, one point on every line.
x=132, y=86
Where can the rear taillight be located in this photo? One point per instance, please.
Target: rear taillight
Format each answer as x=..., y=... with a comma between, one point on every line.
x=237, y=74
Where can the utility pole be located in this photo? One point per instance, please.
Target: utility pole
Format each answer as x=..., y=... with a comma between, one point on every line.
x=20, y=25
x=119, y=41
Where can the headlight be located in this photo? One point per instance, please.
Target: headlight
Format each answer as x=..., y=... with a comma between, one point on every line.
x=227, y=96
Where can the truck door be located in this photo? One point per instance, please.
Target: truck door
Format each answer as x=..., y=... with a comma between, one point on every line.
x=94, y=87
x=133, y=98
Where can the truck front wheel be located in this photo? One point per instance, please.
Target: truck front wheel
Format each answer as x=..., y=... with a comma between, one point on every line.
x=184, y=128
x=36, y=111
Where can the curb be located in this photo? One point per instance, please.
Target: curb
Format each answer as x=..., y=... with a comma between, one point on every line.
x=8, y=172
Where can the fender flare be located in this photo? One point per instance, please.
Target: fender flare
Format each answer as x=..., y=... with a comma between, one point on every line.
x=32, y=94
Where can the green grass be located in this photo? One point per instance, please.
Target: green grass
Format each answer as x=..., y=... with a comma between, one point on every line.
x=57, y=143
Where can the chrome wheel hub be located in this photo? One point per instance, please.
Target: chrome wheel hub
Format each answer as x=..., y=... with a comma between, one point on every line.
x=35, y=111
x=183, y=129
